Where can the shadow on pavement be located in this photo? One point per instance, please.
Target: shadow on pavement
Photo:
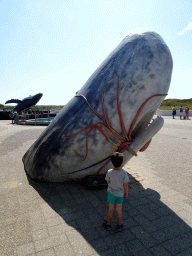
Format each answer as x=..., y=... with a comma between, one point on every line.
x=150, y=227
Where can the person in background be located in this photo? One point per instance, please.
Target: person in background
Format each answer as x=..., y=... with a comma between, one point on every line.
x=12, y=116
x=16, y=117
x=181, y=112
x=187, y=113
x=23, y=115
x=27, y=115
x=29, y=111
x=32, y=114
x=174, y=111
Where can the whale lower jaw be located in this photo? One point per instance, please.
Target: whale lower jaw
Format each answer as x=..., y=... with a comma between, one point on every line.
x=136, y=145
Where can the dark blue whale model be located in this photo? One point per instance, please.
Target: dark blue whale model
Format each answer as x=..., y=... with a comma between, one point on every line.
x=26, y=102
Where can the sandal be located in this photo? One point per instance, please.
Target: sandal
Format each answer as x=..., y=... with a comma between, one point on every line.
x=107, y=227
x=119, y=227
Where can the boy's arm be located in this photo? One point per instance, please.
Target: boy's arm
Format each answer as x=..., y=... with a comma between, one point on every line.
x=107, y=178
x=125, y=185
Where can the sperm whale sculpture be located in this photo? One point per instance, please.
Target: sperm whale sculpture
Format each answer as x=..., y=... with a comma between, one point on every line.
x=111, y=112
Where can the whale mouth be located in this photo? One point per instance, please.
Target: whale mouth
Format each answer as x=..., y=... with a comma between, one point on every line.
x=138, y=143
x=143, y=124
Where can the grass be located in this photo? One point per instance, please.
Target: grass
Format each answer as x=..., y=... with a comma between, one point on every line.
x=165, y=105
x=47, y=107
x=168, y=104
x=40, y=107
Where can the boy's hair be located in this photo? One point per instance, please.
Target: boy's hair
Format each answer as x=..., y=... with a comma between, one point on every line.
x=117, y=159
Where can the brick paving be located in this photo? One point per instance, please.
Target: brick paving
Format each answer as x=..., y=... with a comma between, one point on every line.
x=46, y=219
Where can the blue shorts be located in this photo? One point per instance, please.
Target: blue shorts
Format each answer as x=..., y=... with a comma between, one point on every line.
x=114, y=199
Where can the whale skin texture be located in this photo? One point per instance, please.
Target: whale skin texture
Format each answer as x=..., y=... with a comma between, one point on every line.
x=112, y=112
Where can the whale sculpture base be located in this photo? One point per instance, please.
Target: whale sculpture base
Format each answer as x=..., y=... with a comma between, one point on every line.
x=95, y=181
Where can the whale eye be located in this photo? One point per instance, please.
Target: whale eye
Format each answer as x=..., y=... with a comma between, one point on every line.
x=152, y=76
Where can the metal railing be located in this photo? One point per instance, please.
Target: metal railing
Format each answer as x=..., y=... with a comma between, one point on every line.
x=21, y=119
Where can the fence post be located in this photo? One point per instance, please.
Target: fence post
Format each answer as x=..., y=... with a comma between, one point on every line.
x=35, y=117
x=48, y=115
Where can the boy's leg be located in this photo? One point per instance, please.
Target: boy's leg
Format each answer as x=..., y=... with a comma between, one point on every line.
x=119, y=213
x=110, y=213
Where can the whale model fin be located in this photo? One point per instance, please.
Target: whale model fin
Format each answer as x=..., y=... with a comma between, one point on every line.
x=13, y=101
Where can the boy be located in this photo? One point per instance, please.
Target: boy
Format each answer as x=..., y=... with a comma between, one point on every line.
x=117, y=180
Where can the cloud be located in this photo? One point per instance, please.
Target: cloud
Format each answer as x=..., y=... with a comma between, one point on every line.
x=189, y=27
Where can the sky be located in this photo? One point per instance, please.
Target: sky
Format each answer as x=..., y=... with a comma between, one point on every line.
x=53, y=47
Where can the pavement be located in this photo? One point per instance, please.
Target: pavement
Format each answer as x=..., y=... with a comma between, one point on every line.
x=46, y=219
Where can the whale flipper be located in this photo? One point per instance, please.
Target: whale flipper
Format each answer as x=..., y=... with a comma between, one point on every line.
x=13, y=101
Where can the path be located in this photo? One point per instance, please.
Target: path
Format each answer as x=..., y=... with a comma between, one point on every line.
x=46, y=219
